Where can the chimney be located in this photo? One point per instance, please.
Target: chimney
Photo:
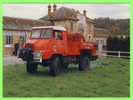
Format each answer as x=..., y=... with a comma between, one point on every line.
x=49, y=10
x=84, y=12
x=54, y=7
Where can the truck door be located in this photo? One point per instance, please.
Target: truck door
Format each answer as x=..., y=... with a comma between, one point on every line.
x=73, y=44
x=58, y=44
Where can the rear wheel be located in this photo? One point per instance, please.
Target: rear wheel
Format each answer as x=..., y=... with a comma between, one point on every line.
x=55, y=66
x=65, y=63
x=65, y=67
x=84, y=63
x=31, y=67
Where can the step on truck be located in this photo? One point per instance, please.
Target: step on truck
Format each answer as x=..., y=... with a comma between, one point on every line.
x=53, y=46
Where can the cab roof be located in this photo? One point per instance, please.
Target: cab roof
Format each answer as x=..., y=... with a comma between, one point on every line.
x=60, y=28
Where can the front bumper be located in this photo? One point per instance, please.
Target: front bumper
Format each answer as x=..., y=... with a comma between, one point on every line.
x=27, y=54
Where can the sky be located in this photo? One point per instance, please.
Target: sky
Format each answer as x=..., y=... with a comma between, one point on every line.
x=36, y=11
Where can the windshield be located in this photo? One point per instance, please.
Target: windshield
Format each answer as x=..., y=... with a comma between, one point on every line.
x=46, y=34
x=36, y=33
x=41, y=34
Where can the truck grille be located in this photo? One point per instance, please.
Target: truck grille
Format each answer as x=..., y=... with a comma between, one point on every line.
x=37, y=56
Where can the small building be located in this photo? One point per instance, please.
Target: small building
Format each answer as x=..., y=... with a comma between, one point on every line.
x=17, y=30
x=71, y=19
x=100, y=36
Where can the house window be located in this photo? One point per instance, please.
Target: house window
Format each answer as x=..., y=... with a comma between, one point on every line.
x=89, y=36
x=8, y=38
x=22, y=37
x=71, y=26
x=124, y=36
x=91, y=28
x=81, y=27
x=97, y=42
x=101, y=41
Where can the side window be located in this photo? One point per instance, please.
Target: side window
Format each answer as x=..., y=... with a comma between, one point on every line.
x=58, y=35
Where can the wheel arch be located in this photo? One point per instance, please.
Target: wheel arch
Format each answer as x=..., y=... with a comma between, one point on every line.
x=85, y=52
x=57, y=55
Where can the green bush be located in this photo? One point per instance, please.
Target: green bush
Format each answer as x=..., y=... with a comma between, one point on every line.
x=118, y=44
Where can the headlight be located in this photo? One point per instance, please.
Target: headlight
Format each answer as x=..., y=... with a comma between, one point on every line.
x=37, y=54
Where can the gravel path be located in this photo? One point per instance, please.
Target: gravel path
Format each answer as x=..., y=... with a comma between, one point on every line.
x=12, y=60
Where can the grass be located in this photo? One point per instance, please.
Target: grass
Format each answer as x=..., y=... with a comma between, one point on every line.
x=109, y=79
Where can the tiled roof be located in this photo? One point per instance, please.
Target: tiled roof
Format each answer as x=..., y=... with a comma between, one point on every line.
x=89, y=20
x=13, y=23
x=64, y=13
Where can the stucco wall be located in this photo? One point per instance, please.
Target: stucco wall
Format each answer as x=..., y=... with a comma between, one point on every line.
x=8, y=48
x=81, y=26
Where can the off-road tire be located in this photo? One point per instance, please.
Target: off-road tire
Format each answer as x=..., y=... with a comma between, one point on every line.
x=31, y=67
x=65, y=67
x=55, y=66
x=84, y=63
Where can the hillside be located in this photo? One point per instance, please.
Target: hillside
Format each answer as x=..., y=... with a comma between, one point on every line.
x=115, y=26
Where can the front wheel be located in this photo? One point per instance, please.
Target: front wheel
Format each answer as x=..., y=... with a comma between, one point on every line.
x=31, y=67
x=55, y=66
x=84, y=63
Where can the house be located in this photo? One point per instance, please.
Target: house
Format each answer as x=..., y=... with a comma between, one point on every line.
x=71, y=19
x=17, y=30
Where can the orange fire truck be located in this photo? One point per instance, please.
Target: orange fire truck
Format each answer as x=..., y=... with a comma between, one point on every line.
x=53, y=46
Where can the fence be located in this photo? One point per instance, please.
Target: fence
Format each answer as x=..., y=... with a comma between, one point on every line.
x=118, y=54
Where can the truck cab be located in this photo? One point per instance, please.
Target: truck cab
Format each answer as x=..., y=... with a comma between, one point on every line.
x=53, y=46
